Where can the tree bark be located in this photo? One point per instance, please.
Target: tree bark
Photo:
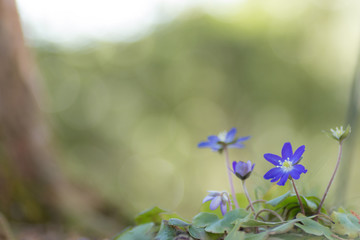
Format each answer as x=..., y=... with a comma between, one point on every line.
x=32, y=188
x=26, y=149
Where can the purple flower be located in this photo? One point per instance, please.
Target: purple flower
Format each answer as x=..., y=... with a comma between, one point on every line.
x=243, y=169
x=224, y=139
x=286, y=166
x=217, y=199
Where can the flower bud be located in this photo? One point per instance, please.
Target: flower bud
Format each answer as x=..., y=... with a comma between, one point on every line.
x=243, y=169
x=339, y=134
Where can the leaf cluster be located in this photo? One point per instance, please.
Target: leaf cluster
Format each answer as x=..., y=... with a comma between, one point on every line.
x=241, y=223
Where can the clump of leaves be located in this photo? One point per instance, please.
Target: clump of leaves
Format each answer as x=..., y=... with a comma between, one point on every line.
x=242, y=224
x=288, y=216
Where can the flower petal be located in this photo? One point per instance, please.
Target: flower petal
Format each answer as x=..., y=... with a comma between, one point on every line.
x=223, y=208
x=286, y=151
x=230, y=135
x=242, y=139
x=216, y=147
x=275, y=179
x=236, y=145
x=274, y=159
x=239, y=167
x=283, y=179
x=273, y=173
x=294, y=174
x=249, y=165
x=297, y=155
x=215, y=203
x=208, y=198
x=214, y=193
x=234, y=166
x=299, y=168
x=204, y=144
x=213, y=139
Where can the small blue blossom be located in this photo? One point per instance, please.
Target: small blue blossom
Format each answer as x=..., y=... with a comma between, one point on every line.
x=286, y=166
x=218, y=199
x=243, y=169
x=222, y=140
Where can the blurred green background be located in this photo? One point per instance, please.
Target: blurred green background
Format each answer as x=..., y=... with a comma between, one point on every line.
x=127, y=116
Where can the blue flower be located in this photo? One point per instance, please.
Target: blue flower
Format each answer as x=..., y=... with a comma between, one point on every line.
x=218, y=199
x=243, y=169
x=224, y=139
x=286, y=166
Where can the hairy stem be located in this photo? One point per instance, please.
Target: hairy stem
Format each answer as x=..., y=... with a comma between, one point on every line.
x=332, y=178
x=254, y=202
x=230, y=177
x=248, y=196
x=298, y=197
x=229, y=201
x=270, y=211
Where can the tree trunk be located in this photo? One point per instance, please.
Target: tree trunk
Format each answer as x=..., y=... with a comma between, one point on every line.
x=27, y=157
x=31, y=186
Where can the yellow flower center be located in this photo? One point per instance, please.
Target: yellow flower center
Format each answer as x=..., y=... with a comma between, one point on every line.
x=286, y=165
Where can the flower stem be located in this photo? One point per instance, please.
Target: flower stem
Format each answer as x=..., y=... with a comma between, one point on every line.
x=256, y=201
x=270, y=211
x=230, y=177
x=248, y=196
x=332, y=177
x=229, y=201
x=298, y=197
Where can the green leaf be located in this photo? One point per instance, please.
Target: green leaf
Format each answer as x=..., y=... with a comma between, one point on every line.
x=226, y=224
x=166, y=232
x=295, y=236
x=290, y=202
x=256, y=236
x=149, y=215
x=235, y=234
x=346, y=133
x=309, y=203
x=141, y=232
x=283, y=228
x=276, y=201
x=317, y=200
x=204, y=219
x=345, y=224
x=293, y=212
x=167, y=216
x=177, y=222
x=314, y=199
x=199, y=233
x=249, y=221
x=286, y=226
x=275, y=191
x=312, y=227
